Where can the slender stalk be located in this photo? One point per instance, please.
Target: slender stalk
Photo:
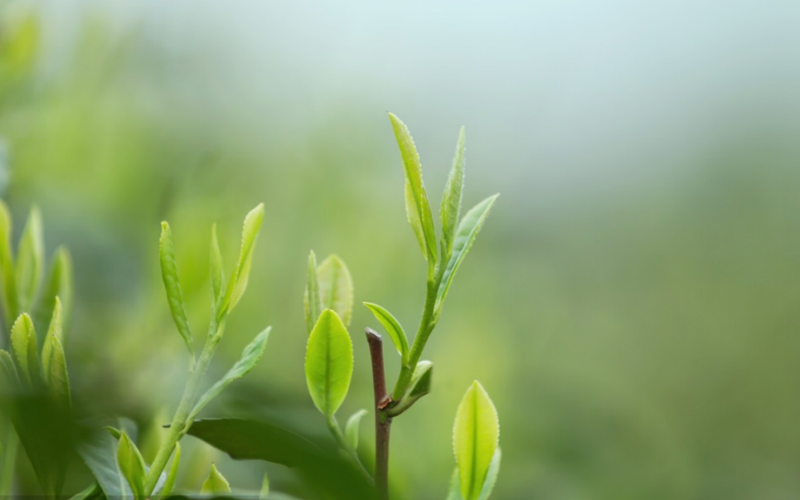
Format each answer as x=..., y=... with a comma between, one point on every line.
x=383, y=423
x=333, y=426
x=179, y=425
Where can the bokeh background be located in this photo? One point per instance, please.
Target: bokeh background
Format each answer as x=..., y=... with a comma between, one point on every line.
x=632, y=305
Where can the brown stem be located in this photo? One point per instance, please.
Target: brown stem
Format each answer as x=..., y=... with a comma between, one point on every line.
x=383, y=422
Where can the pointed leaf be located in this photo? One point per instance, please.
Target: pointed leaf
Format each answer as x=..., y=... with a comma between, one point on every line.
x=351, y=429
x=264, y=493
x=336, y=287
x=99, y=451
x=241, y=274
x=9, y=279
x=311, y=301
x=169, y=485
x=248, y=360
x=169, y=273
x=59, y=284
x=475, y=437
x=215, y=483
x=329, y=363
x=418, y=208
x=24, y=346
x=215, y=269
x=454, y=493
x=468, y=230
x=491, y=476
x=131, y=465
x=54, y=331
x=8, y=370
x=451, y=199
x=57, y=376
x=30, y=258
x=393, y=328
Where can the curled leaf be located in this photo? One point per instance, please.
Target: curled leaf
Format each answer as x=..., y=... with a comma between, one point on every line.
x=393, y=328
x=336, y=287
x=169, y=273
x=25, y=348
x=351, y=429
x=241, y=274
x=329, y=363
x=475, y=440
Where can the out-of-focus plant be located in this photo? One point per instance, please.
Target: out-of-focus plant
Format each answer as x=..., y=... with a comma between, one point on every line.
x=35, y=385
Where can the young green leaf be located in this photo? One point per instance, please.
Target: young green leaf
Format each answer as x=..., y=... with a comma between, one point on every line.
x=169, y=273
x=248, y=360
x=336, y=287
x=25, y=348
x=54, y=332
x=169, y=484
x=454, y=493
x=329, y=363
x=468, y=230
x=491, y=476
x=30, y=257
x=418, y=208
x=241, y=274
x=311, y=299
x=131, y=465
x=59, y=284
x=215, y=269
x=264, y=493
x=475, y=437
x=393, y=328
x=451, y=199
x=351, y=429
x=9, y=371
x=215, y=483
x=421, y=381
x=10, y=298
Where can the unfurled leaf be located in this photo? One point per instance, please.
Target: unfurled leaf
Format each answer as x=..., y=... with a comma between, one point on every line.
x=99, y=452
x=25, y=348
x=465, y=236
x=351, y=429
x=131, y=465
x=59, y=284
x=54, y=332
x=311, y=297
x=329, y=363
x=215, y=483
x=475, y=439
x=169, y=273
x=215, y=269
x=30, y=259
x=393, y=328
x=491, y=476
x=248, y=360
x=169, y=484
x=336, y=287
x=418, y=208
x=10, y=297
x=241, y=274
x=451, y=199
x=264, y=493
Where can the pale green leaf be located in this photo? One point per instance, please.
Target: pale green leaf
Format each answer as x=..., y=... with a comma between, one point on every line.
x=10, y=297
x=25, y=348
x=215, y=269
x=336, y=287
x=351, y=429
x=248, y=360
x=131, y=465
x=58, y=284
x=311, y=301
x=9, y=371
x=215, y=483
x=329, y=363
x=475, y=438
x=169, y=273
x=30, y=259
x=454, y=493
x=169, y=484
x=468, y=230
x=241, y=274
x=54, y=331
x=393, y=328
x=421, y=380
x=418, y=208
x=491, y=476
x=264, y=493
x=451, y=199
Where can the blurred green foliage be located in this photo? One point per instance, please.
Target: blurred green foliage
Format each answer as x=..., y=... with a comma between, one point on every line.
x=643, y=343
